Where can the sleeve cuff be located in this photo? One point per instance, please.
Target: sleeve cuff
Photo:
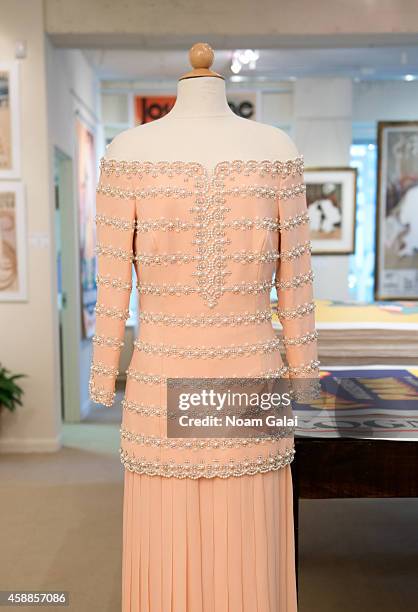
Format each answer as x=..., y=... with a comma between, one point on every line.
x=99, y=395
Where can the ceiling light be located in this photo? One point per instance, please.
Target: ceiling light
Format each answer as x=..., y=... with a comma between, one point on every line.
x=244, y=57
x=409, y=77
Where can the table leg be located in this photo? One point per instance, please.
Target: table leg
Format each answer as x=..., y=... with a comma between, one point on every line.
x=295, y=483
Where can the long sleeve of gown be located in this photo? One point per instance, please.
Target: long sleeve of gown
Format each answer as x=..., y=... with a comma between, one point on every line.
x=115, y=226
x=294, y=277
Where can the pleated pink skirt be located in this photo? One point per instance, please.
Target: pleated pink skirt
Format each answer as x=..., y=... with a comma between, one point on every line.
x=208, y=545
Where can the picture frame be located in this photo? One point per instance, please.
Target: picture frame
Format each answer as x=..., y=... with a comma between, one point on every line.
x=13, y=243
x=86, y=192
x=396, y=256
x=331, y=196
x=10, y=165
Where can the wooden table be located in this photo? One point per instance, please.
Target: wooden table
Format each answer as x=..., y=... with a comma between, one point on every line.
x=326, y=468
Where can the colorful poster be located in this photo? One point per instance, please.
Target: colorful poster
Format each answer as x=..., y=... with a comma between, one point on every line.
x=149, y=108
x=397, y=211
x=86, y=177
x=9, y=121
x=243, y=104
x=369, y=403
x=12, y=243
x=5, y=122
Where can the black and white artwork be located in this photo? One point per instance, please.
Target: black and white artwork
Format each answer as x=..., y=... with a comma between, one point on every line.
x=331, y=200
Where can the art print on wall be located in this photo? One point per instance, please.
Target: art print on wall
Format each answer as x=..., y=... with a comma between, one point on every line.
x=150, y=108
x=13, y=264
x=396, y=275
x=9, y=121
x=331, y=200
x=86, y=180
x=243, y=104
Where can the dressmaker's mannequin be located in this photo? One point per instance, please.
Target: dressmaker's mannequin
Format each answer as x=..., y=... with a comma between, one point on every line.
x=207, y=524
x=201, y=127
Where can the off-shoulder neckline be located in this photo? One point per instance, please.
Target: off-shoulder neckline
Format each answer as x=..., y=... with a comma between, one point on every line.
x=207, y=170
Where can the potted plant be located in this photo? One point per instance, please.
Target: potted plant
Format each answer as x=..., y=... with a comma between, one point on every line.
x=10, y=392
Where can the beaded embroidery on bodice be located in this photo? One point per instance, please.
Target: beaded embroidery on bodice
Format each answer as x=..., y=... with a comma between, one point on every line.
x=207, y=245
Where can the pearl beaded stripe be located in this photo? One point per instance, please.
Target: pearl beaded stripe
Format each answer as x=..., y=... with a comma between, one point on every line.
x=297, y=312
x=307, y=368
x=296, y=281
x=113, y=283
x=102, y=310
x=202, y=443
x=244, y=257
x=252, y=287
x=178, y=225
x=115, y=222
x=250, y=466
x=250, y=191
x=213, y=352
x=114, y=343
x=300, y=340
x=107, y=250
x=202, y=320
x=143, y=409
x=296, y=251
x=152, y=192
x=104, y=370
x=158, y=379
x=160, y=411
x=193, y=169
x=294, y=221
x=208, y=352
x=244, y=223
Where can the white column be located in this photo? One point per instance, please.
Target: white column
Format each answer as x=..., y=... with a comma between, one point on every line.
x=323, y=133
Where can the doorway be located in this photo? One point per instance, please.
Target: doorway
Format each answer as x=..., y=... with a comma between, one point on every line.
x=68, y=297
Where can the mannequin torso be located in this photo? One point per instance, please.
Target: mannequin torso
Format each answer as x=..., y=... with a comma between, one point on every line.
x=201, y=127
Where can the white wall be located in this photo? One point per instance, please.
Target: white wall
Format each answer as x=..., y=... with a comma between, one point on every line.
x=382, y=101
x=28, y=330
x=385, y=100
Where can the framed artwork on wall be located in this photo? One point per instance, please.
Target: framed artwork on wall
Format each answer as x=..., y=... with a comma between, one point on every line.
x=150, y=108
x=86, y=186
x=243, y=104
x=9, y=121
x=396, y=270
x=13, y=241
x=331, y=199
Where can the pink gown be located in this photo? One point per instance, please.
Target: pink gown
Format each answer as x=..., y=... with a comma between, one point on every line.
x=206, y=527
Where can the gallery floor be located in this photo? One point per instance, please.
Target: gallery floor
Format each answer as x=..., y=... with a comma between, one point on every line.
x=62, y=518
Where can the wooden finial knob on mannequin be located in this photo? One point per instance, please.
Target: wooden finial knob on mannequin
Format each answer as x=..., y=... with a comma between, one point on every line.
x=201, y=57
